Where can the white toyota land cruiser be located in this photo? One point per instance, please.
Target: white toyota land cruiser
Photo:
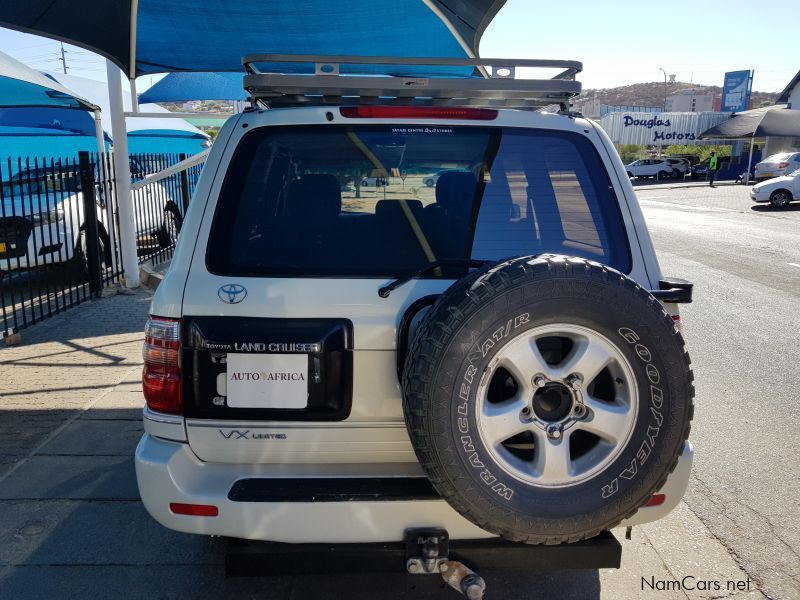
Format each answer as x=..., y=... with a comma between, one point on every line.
x=495, y=358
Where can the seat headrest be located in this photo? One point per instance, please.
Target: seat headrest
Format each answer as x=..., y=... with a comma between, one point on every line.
x=316, y=196
x=391, y=209
x=455, y=189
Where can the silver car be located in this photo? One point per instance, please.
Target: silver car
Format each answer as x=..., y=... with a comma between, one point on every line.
x=777, y=165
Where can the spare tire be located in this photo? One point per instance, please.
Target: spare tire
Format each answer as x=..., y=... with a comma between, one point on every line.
x=547, y=398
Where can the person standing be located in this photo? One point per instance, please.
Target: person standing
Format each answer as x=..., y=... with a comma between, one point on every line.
x=712, y=168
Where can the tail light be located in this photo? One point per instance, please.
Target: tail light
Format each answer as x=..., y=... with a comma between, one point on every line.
x=783, y=165
x=161, y=378
x=417, y=112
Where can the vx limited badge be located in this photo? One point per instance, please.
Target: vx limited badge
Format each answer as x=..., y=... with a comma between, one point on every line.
x=238, y=434
x=232, y=293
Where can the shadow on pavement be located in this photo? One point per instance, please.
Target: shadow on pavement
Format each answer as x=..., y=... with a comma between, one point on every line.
x=768, y=208
x=72, y=525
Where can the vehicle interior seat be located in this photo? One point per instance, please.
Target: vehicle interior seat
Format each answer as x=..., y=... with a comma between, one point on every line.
x=313, y=206
x=397, y=233
x=449, y=219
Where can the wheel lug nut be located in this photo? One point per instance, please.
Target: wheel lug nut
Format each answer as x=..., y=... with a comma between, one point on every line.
x=575, y=381
x=539, y=381
x=554, y=432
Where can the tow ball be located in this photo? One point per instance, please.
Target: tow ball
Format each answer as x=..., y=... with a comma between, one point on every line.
x=427, y=551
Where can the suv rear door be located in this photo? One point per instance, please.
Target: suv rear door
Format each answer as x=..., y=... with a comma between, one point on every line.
x=291, y=253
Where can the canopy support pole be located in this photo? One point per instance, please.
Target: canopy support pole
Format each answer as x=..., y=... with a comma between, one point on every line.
x=134, y=96
x=122, y=177
x=746, y=178
x=98, y=132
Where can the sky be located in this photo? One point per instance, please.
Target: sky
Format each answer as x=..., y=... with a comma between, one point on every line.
x=619, y=43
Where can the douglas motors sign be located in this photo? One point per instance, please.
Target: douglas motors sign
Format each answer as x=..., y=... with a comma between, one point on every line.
x=655, y=129
x=660, y=128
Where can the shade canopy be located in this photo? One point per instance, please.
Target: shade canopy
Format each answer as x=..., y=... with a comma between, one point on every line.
x=98, y=92
x=182, y=87
x=154, y=36
x=21, y=86
x=47, y=120
x=759, y=122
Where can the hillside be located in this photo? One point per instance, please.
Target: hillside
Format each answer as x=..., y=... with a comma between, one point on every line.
x=652, y=94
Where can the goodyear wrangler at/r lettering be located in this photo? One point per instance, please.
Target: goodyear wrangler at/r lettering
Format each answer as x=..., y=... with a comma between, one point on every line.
x=547, y=398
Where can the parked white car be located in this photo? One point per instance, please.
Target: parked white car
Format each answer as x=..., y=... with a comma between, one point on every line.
x=778, y=191
x=42, y=221
x=658, y=168
x=777, y=165
x=374, y=182
x=680, y=166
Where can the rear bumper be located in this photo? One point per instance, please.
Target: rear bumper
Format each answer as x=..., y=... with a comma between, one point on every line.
x=169, y=472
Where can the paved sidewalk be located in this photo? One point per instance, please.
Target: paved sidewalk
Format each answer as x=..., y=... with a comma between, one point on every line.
x=72, y=525
x=64, y=365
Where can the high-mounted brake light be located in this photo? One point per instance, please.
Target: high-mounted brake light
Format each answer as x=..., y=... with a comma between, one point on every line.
x=417, y=112
x=161, y=377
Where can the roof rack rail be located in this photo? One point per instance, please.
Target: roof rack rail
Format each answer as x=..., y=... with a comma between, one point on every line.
x=270, y=87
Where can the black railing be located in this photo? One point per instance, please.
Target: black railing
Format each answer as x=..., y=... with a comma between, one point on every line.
x=159, y=207
x=58, y=232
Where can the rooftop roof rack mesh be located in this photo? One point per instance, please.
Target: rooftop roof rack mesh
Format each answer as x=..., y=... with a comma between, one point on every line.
x=326, y=86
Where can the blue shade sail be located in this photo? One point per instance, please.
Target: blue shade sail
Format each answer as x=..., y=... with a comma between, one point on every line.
x=21, y=86
x=185, y=86
x=46, y=119
x=213, y=35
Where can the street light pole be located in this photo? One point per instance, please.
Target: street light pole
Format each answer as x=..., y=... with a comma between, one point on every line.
x=665, y=87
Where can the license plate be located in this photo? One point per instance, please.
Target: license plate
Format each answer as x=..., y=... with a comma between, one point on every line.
x=267, y=380
x=2, y=246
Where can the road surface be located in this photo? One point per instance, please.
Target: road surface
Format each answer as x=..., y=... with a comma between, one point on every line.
x=743, y=331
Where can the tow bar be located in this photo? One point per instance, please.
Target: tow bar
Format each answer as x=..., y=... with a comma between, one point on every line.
x=432, y=546
x=424, y=551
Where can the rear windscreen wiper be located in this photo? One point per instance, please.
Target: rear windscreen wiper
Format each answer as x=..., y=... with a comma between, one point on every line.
x=387, y=289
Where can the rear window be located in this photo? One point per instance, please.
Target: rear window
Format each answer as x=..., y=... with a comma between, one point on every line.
x=382, y=201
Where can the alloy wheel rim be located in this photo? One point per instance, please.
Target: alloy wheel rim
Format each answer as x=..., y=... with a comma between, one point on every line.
x=526, y=427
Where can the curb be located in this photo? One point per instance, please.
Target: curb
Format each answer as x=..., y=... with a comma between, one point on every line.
x=680, y=186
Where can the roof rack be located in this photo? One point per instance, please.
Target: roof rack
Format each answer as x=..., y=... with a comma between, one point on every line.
x=270, y=87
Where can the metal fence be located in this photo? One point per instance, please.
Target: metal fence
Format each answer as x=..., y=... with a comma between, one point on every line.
x=58, y=236
x=59, y=227
x=160, y=202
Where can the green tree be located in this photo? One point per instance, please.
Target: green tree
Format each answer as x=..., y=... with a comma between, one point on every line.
x=631, y=152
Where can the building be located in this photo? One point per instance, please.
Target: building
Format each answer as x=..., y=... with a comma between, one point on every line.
x=791, y=97
x=588, y=107
x=691, y=101
x=791, y=94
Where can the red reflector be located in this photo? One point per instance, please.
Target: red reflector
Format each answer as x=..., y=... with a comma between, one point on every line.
x=417, y=112
x=194, y=510
x=656, y=500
